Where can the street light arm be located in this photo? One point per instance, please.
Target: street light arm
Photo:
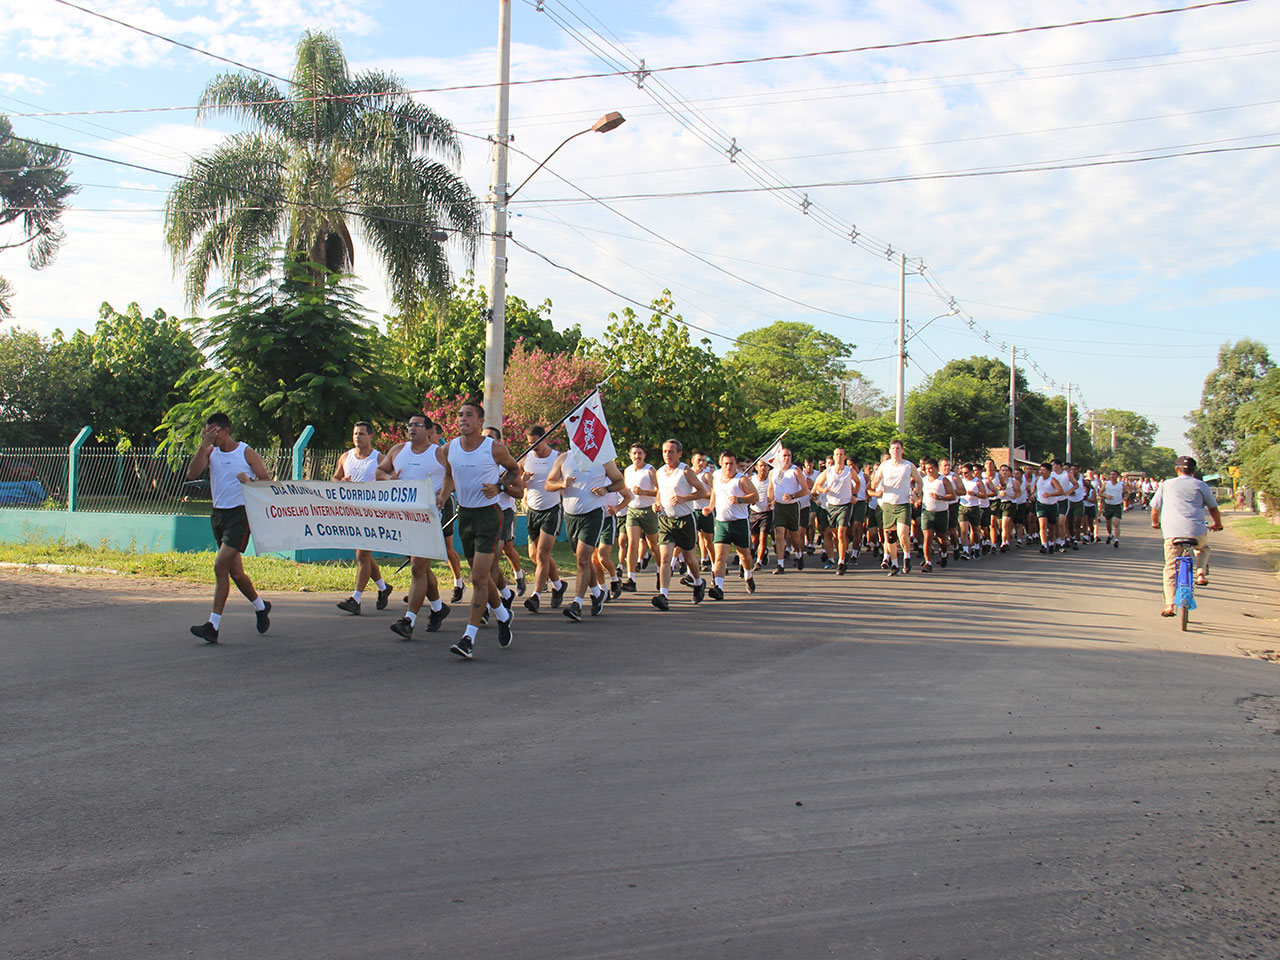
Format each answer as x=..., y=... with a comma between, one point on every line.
x=610, y=121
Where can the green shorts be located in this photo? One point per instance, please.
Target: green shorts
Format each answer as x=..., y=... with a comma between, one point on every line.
x=1075, y=508
x=875, y=516
x=895, y=513
x=971, y=515
x=508, y=525
x=682, y=531
x=985, y=519
x=787, y=516
x=584, y=527
x=859, y=511
x=840, y=515
x=230, y=527
x=1090, y=511
x=804, y=517
x=480, y=529
x=820, y=512
x=644, y=518
x=936, y=521
x=608, y=531
x=953, y=515
x=1113, y=511
x=735, y=532
x=538, y=522
x=705, y=522
x=1047, y=511
x=1001, y=509
x=448, y=517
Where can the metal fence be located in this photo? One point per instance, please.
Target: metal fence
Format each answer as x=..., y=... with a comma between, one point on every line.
x=34, y=477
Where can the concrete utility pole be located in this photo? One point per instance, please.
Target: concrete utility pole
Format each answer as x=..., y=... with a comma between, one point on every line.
x=1013, y=398
x=1113, y=438
x=495, y=329
x=1068, y=423
x=902, y=341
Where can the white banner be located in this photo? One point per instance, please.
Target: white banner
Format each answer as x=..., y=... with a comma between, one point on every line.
x=391, y=516
x=590, y=439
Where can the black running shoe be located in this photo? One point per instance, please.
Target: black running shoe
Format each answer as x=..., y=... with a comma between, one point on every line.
x=484, y=618
x=800, y=561
x=660, y=602
x=457, y=595
x=597, y=603
x=507, y=601
x=557, y=596
x=644, y=564
x=706, y=563
x=927, y=568
x=715, y=593
x=573, y=612
x=687, y=580
x=779, y=569
x=1004, y=548
x=683, y=568
x=206, y=632
x=629, y=586
x=263, y=615
x=384, y=596
x=884, y=564
x=894, y=570
x=1074, y=545
x=504, y=632
x=1043, y=548
x=615, y=589
x=463, y=648
x=699, y=591
x=751, y=585
x=955, y=554
x=521, y=584
x=840, y=568
x=1116, y=543
x=532, y=603
x=350, y=605
x=437, y=617
x=942, y=562
x=853, y=560
x=403, y=629
x=906, y=563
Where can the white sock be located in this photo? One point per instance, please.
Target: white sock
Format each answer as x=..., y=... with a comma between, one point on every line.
x=459, y=584
x=502, y=613
x=506, y=593
x=411, y=616
x=535, y=595
x=259, y=604
x=381, y=584
x=698, y=582
x=577, y=601
x=357, y=595
x=216, y=620
x=471, y=631
x=436, y=605
x=747, y=576
x=720, y=582
x=664, y=592
x=596, y=590
x=557, y=585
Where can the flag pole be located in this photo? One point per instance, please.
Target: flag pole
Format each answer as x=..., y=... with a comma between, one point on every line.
x=578, y=406
x=767, y=449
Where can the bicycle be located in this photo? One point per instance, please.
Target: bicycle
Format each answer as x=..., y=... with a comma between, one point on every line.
x=1184, y=599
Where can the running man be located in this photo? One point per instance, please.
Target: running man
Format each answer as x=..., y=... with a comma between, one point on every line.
x=761, y=514
x=936, y=498
x=230, y=464
x=678, y=489
x=702, y=511
x=838, y=486
x=542, y=517
x=416, y=459
x=1177, y=510
x=360, y=465
x=615, y=516
x=953, y=510
x=479, y=468
x=788, y=486
x=897, y=483
x=971, y=488
x=1009, y=490
x=1049, y=493
x=642, y=522
x=435, y=433
x=1112, y=494
x=585, y=493
x=508, y=504
x=731, y=499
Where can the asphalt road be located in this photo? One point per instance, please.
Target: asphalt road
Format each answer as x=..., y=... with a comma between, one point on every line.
x=1013, y=758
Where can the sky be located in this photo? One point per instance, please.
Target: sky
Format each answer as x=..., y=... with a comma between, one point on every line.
x=1121, y=278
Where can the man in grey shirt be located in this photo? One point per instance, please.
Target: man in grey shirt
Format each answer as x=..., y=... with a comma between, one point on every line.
x=1178, y=511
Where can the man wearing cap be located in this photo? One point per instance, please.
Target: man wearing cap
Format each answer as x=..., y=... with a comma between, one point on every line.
x=1177, y=510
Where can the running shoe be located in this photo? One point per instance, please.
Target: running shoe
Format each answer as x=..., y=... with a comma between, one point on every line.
x=778, y=569
x=597, y=603
x=521, y=584
x=751, y=585
x=627, y=585
x=906, y=564
x=800, y=561
x=687, y=580
x=615, y=589
x=504, y=632
x=384, y=595
x=894, y=570
x=927, y=568
x=706, y=563
x=350, y=605
x=403, y=628
x=1116, y=543
x=532, y=603
x=715, y=593
x=457, y=595
x=573, y=611
x=264, y=621
x=557, y=596
x=507, y=601
x=840, y=568
x=436, y=618
x=206, y=632
x=699, y=591
x=464, y=648
x=660, y=602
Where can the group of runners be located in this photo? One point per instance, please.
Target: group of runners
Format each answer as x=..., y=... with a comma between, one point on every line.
x=688, y=517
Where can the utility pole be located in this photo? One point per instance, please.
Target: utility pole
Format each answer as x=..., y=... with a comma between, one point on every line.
x=495, y=331
x=1013, y=399
x=1113, y=438
x=902, y=341
x=1068, y=423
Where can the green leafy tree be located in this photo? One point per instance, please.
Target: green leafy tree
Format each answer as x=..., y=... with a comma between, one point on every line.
x=43, y=391
x=1081, y=444
x=336, y=150
x=34, y=191
x=787, y=363
x=1135, y=436
x=664, y=385
x=1258, y=451
x=134, y=365
x=440, y=345
x=287, y=353
x=815, y=433
x=1214, y=433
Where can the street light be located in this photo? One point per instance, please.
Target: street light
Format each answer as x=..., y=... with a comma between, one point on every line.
x=496, y=328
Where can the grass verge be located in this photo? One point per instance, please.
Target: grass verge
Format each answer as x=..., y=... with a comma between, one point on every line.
x=1261, y=537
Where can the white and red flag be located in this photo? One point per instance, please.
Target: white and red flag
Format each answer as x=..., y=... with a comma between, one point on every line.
x=589, y=436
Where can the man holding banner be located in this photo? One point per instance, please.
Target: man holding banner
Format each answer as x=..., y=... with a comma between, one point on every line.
x=360, y=465
x=416, y=459
x=479, y=468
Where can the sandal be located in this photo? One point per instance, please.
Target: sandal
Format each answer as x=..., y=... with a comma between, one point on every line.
x=1167, y=612
x=1202, y=581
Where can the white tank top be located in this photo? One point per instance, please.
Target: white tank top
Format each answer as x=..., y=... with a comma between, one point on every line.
x=674, y=482
x=1044, y=490
x=223, y=470
x=1022, y=491
x=763, y=504
x=472, y=470
x=705, y=477
x=1064, y=482
x=1078, y=494
x=787, y=481
x=361, y=471
x=642, y=478
x=1113, y=494
x=536, y=495
x=933, y=490
x=895, y=481
x=578, y=498
x=839, y=486
x=420, y=466
x=970, y=497
x=726, y=511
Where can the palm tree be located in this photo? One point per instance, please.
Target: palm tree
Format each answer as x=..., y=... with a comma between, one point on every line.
x=339, y=150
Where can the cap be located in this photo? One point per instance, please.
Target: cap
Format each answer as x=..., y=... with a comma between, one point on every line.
x=1188, y=462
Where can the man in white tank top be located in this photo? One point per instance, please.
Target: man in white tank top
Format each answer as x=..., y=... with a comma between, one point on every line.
x=896, y=483
x=788, y=486
x=678, y=489
x=230, y=464
x=642, y=520
x=507, y=501
x=1111, y=496
x=360, y=465
x=480, y=468
x=585, y=492
x=543, y=517
x=448, y=520
x=838, y=486
x=416, y=459
x=731, y=497
x=702, y=511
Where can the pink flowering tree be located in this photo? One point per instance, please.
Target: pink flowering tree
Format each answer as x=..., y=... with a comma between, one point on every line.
x=542, y=387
